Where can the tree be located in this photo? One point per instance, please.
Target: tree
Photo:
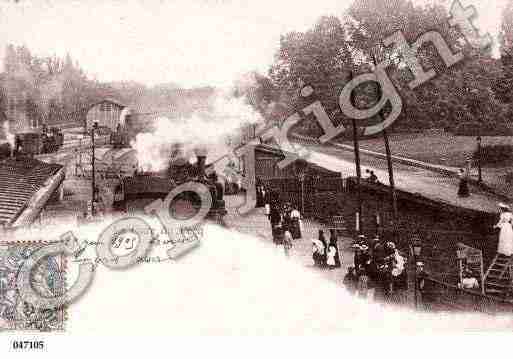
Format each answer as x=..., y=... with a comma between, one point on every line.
x=319, y=57
x=502, y=87
x=456, y=95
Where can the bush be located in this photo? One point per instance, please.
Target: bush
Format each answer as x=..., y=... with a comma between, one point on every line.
x=479, y=129
x=509, y=178
x=495, y=154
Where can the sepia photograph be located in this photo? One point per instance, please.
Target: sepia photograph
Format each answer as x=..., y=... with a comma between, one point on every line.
x=275, y=169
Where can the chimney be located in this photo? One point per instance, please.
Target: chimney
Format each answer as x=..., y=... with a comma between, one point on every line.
x=177, y=157
x=201, y=155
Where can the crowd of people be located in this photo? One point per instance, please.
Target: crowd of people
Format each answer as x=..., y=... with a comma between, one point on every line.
x=283, y=218
x=378, y=266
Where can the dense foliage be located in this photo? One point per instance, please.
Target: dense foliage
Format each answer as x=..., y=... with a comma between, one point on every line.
x=494, y=154
x=55, y=90
x=472, y=94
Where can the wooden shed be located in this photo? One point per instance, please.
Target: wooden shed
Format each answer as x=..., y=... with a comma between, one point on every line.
x=107, y=113
x=267, y=158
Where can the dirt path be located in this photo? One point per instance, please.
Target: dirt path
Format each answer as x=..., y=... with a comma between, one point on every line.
x=413, y=180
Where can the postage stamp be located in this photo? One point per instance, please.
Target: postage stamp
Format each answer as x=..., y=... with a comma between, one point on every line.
x=236, y=167
x=48, y=278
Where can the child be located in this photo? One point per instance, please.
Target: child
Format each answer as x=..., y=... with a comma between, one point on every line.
x=287, y=243
x=350, y=280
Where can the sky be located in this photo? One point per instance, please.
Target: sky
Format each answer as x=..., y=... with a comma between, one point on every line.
x=189, y=42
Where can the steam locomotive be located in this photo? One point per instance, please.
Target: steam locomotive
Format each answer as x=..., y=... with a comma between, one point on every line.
x=120, y=138
x=34, y=143
x=5, y=150
x=136, y=192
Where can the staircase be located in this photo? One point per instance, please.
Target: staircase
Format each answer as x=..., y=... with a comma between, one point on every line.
x=498, y=278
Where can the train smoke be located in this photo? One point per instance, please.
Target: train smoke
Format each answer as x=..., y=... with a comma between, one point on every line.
x=206, y=129
x=6, y=135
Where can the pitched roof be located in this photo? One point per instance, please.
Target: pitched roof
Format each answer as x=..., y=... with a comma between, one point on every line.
x=278, y=152
x=19, y=181
x=147, y=184
x=107, y=99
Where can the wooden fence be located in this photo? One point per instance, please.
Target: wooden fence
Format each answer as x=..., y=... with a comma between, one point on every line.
x=440, y=296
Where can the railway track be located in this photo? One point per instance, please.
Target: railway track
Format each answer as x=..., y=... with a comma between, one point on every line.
x=70, y=147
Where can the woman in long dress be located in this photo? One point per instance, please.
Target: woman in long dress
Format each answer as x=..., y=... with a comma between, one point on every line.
x=295, y=229
x=505, y=246
x=323, y=250
x=463, y=190
x=276, y=223
x=333, y=259
x=315, y=252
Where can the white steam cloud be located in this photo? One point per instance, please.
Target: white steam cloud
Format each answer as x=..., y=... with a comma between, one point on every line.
x=6, y=135
x=207, y=129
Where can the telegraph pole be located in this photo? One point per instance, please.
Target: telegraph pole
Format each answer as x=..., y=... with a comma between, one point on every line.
x=393, y=195
x=93, y=180
x=356, y=146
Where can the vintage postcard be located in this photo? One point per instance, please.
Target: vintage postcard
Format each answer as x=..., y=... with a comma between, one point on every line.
x=260, y=168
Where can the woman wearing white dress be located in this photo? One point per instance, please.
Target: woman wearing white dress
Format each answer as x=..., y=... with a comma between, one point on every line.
x=505, y=246
x=296, y=229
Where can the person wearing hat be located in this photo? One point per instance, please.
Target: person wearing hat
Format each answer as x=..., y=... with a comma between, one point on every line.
x=333, y=258
x=285, y=215
x=427, y=288
x=324, y=251
x=469, y=281
x=362, y=258
x=505, y=246
x=463, y=190
x=260, y=200
x=316, y=253
x=378, y=250
x=319, y=250
x=387, y=266
x=295, y=229
x=357, y=254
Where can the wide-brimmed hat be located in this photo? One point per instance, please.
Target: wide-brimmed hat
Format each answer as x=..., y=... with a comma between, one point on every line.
x=391, y=245
x=504, y=205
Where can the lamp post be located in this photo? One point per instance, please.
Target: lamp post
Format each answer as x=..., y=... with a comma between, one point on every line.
x=479, y=171
x=460, y=254
x=416, y=249
x=93, y=170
